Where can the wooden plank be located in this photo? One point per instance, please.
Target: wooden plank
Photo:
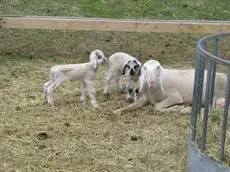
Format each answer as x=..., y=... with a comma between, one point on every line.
x=98, y=24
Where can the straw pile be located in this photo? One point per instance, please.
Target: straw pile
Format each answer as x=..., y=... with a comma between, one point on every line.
x=215, y=121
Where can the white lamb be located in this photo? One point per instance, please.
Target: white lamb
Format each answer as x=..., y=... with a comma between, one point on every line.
x=167, y=87
x=84, y=72
x=123, y=64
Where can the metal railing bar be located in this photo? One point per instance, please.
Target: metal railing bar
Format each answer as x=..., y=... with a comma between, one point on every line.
x=196, y=93
x=225, y=119
x=207, y=105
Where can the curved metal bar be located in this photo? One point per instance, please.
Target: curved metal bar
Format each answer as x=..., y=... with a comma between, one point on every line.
x=206, y=54
x=213, y=59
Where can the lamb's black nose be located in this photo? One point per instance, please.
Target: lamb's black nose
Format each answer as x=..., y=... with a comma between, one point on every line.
x=132, y=73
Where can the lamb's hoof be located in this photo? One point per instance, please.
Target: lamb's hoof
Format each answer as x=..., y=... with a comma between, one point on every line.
x=106, y=95
x=117, y=112
x=51, y=104
x=45, y=100
x=130, y=100
x=82, y=102
x=95, y=105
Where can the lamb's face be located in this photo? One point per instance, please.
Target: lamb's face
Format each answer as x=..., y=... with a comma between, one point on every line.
x=151, y=73
x=132, y=68
x=100, y=58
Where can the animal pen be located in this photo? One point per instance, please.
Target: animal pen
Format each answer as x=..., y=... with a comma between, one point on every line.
x=197, y=160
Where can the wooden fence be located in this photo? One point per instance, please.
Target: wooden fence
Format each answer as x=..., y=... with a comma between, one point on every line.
x=120, y=25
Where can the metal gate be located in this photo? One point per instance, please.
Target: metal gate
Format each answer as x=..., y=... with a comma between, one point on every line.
x=208, y=56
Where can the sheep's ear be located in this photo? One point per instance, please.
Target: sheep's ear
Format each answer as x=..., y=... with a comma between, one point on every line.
x=135, y=62
x=160, y=73
x=142, y=82
x=139, y=68
x=93, y=61
x=125, y=66
x=139, y=72
x=159, y=69
x=124, y=69
x=96, y=53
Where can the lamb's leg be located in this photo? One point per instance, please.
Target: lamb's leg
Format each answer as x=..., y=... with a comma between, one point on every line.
x=172, y=99
x=128, y=84
x=143, y=100
x=130, y=95
x=117, y=79
x=136, y=93
x=50, y=89
x=107, y=78
x=83, y=92
x=46, y=85
x=130, y=91
x=92, y=93
x=49, y=93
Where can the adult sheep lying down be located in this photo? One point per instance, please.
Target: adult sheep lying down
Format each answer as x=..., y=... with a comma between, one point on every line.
x=167, y=87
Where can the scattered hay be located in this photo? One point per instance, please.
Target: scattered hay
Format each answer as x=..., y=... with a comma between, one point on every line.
x=215, y=121
x=72, y=137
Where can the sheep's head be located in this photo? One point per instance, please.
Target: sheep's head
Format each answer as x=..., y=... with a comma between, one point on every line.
x=132, y=68
x=151, y=74
x=97, y=57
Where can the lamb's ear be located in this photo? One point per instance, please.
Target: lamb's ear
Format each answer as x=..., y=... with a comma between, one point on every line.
x=139, y=72
x=139, y=68
x=125, y=66
x=93, y=61
x=96, y=53
x=123, y=72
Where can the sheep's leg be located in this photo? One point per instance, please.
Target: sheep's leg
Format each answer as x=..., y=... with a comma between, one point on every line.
x=118, y=83
x=171, y=100
x=50, y=91
x=130, y=91
x=92, y=93
x=128, y=84
x=84, y=88
x=136, y=93
x=46, y=85
x=143, y=100
x=133, y=92
x=129, y=96
x=107, y=78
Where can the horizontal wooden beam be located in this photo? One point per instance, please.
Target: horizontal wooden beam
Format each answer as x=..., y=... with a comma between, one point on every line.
x=98, y=24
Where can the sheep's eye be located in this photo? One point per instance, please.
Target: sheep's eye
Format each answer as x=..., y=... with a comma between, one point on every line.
x=99, y=57
x=158, y=67
x=144, y=67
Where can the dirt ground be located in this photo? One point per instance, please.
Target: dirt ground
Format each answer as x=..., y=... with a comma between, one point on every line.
x=72, y=137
